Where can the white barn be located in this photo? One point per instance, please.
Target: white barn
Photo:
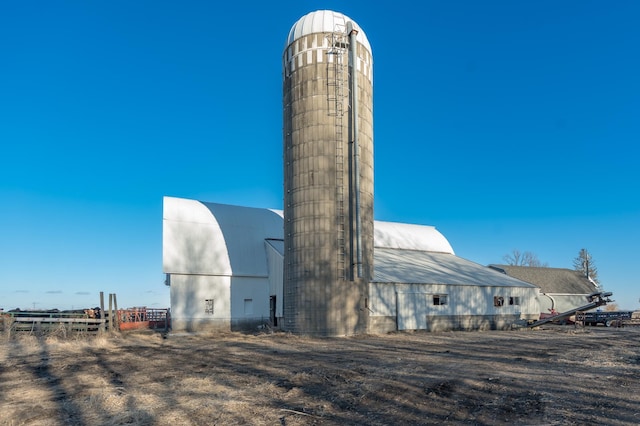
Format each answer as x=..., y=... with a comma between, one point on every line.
x=224, y=266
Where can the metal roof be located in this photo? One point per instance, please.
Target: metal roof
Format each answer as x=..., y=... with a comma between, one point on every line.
x=551, y=280
x=410, y=237
x=324, y=21
x=217, y=239
x=422, y=267
x=221, y=239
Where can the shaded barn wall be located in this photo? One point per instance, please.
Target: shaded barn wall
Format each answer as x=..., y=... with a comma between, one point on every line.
x=249, y=302
x=218, y=303
x=411, y=306
x=190, y=309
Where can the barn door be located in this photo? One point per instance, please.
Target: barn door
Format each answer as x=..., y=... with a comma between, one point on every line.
x=272, y=311
x=411, y=311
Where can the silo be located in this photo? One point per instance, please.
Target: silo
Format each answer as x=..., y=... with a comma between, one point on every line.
x=328, y=175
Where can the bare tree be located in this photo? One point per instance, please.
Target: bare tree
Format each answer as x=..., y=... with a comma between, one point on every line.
x=585, y=264
x=527, y=258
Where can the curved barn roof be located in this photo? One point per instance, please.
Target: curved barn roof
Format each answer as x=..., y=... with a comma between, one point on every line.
x=410, y=237
x=216, y=239
x=220, y=239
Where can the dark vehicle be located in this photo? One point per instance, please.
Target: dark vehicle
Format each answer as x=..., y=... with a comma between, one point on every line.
x=605, y=318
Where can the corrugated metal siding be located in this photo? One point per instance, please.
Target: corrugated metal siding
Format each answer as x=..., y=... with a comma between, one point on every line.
x=412, y=311
x=412, y=303
x=244, y=230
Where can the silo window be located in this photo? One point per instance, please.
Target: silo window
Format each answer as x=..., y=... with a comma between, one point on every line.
x=208, y=306
x=514, y=300
x=439, y=299
x=498, y=301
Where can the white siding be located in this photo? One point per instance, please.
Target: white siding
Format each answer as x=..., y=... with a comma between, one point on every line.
x=411, y=302
x=412, y=311
x=189, y=292
x=249, y=288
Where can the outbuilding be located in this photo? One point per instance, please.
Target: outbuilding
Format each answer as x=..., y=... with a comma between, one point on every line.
x=561, y=289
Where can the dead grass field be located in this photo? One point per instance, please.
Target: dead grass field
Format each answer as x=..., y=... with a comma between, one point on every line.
x=559, y=375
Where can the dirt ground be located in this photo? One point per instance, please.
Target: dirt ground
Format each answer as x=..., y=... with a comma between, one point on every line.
x=557, y=375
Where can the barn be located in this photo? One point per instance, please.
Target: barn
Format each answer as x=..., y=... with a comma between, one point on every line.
x=561, y=289
x=224, y=266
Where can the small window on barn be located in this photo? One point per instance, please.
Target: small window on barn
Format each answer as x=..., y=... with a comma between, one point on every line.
x=498, y=301
x=208, y=306
x=439, y=299
x=514, y=300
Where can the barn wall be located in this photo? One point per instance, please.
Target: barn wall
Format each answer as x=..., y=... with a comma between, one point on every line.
x=249, y=302
x=411, y=306
x=190, y=310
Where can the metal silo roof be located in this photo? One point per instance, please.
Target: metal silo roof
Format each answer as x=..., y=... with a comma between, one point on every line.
x=324, y=21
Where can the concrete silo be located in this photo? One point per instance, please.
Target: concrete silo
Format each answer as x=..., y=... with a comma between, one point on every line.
x=328, y=175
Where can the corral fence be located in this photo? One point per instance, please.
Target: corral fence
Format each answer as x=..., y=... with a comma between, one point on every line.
x=141, y=318
x=61, y=323
x=90, y=321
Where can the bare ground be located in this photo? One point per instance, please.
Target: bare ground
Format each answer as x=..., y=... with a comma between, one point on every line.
x=559, y=375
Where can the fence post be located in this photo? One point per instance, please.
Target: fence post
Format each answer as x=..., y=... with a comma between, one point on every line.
x=103, y=323
x=116, y=317
x=110, y=311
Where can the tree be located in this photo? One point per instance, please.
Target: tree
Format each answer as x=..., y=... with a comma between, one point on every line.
x=584, y=263
x=527, y=258
x=612, y=307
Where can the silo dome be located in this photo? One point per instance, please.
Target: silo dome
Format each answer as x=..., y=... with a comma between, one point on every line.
x=324, y=21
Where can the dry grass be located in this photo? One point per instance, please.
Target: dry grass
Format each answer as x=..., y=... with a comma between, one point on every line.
x=554, y=376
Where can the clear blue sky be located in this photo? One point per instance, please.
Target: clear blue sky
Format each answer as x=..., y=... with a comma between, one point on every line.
x=505, y=124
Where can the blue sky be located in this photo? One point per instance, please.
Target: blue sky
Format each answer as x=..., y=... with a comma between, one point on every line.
x=507, y=125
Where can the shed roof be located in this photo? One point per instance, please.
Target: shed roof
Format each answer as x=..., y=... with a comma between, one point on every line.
x=415, y=266
x=550, y=280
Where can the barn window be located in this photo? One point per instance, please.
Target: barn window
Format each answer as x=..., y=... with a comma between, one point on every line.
x=208, y=306
x=514, y=300
x=498, y=301
x=439, y=299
